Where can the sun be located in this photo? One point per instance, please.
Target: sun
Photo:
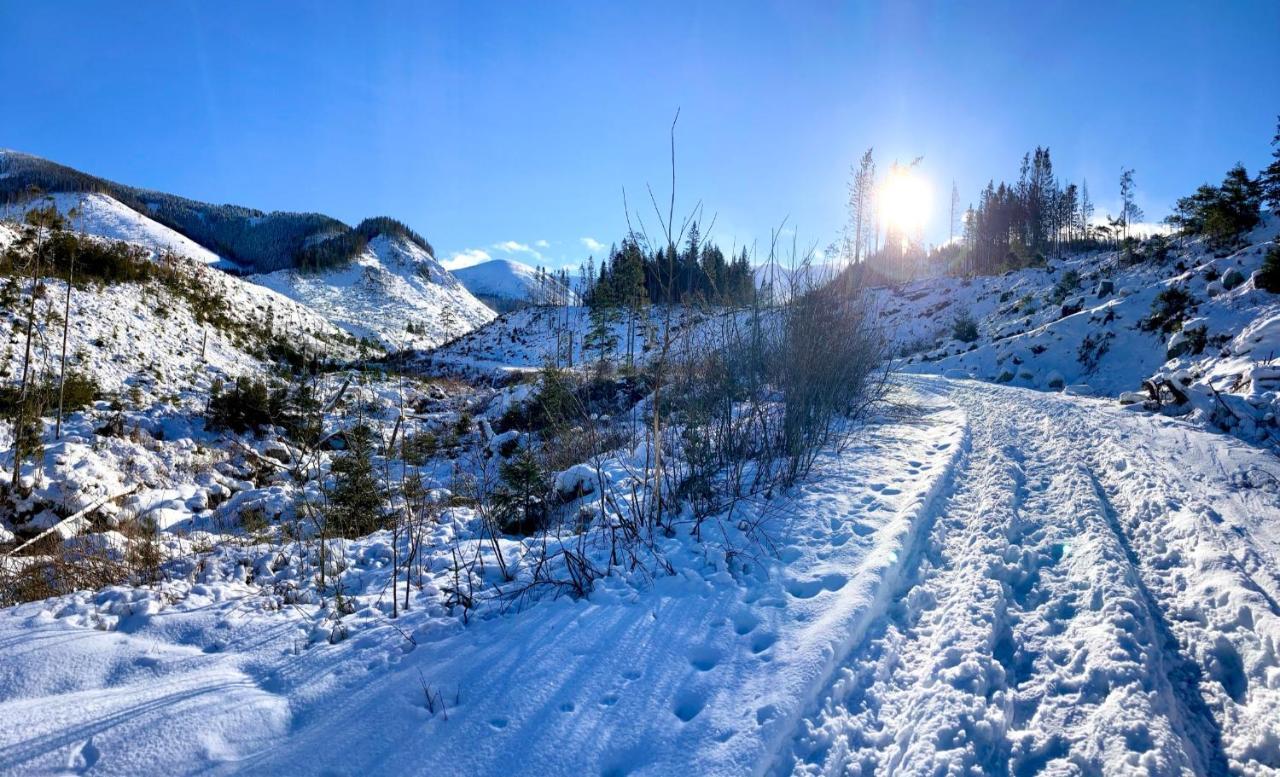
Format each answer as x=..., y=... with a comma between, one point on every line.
x=904, y=201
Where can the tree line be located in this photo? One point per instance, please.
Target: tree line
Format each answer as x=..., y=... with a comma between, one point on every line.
x=1023, y=223
x=696, y=272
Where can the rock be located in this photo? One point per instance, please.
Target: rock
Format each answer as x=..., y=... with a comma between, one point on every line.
x=1105, y=287
x=1232, y=278
x=1187, y=340
x=1254, y=278
x=1214, y=288
x=575, y=481
x=1132, y=398
x=1055, y=380
x=504, y=444
x=279, y=451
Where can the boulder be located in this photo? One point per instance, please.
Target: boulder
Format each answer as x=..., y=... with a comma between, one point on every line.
x=1232, y=278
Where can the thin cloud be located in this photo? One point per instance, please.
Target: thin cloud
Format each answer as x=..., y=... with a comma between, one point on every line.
x=466, y=258
x=513, y=247
x=541, y=244
x=592, y=244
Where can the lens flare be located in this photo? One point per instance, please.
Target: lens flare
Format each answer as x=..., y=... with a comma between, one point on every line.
x=904, y=201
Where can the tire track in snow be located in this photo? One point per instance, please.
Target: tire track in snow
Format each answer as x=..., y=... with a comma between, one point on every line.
x=1199, y=727
x=1169, y=501
x=925, y=687
x=1024, y=640
x=1219, y=619
x=1091, y=659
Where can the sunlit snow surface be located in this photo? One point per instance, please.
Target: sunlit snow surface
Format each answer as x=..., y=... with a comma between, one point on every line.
x=923, y=611
x=392, y=284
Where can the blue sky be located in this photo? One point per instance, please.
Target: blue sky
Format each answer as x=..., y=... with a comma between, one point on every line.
x=512, y=128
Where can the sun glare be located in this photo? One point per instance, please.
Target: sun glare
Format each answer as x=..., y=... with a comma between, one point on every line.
x=904, y=201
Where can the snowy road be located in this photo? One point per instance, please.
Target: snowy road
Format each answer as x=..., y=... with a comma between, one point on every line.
x=1096, y=593
x=999, y=582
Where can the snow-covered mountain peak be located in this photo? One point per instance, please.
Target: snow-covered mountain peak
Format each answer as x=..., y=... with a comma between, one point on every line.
x=393, y=292
x=104, y=216
x=504, y=284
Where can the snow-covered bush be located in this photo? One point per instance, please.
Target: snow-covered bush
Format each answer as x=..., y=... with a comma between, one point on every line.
x=964, y=328
x=1168, y=310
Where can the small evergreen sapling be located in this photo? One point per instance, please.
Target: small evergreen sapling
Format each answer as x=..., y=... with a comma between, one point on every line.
x=520, y=500
x=1268, y=277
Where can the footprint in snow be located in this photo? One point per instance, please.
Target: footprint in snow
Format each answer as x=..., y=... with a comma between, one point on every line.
x=688, y=704
x=745, y=622
x=763, y=641
x=704, y=658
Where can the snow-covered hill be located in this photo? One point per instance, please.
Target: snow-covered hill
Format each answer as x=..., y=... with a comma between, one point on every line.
x=394, y=293
x=1105, y=322
x=106, y=217
x=377, y=280
x=505, y=285
x=164, y=339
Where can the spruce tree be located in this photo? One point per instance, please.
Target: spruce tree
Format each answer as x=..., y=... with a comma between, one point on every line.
x=1269, y=179
x=520, y=499
x=355, y=501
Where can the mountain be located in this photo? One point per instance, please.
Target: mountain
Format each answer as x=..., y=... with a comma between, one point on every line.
x=163, y=338
x=253, y=239
x=506, y=285
x=394, y=293
x=104, y=216
x=377, y=280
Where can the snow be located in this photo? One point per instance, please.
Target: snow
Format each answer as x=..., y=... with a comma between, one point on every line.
x=1064, y=614
x=106, y=217
x=144, y=335
x=1030, y=578
x=504, y=279
x=992, y=576
x=744, y=643
x=392, y=284
x=1098, y=339
x=525, y=340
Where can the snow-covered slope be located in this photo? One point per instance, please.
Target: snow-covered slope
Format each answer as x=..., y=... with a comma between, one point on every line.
x=105, y=217
x=533, y=337
x=505, y=284
x=391, y=286
x=1085, y=323
x=1053, y=584
x=149, y=335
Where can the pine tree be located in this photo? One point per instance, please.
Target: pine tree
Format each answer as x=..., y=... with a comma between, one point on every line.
x=861, y=192
x=1086, y=208
x=1129, y=210
x=1269, y=178
x=1221, y=213
x=520, y=499
x=955, y=211
x=356, y=505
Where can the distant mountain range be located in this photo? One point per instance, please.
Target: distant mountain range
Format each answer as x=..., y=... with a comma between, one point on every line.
x=252, y=240
x=378, y=280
